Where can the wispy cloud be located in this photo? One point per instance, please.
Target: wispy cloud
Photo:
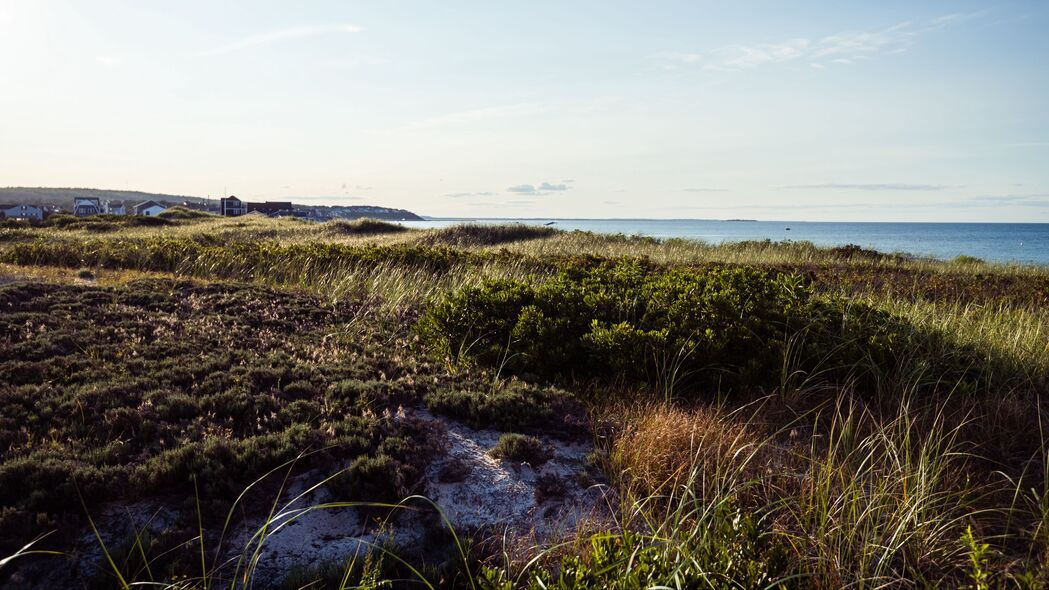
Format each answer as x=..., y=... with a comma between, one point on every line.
x=704, y=190
x=1026, y=200
x=477, y=194
x=503, y=205
x=957, y=17
x=544, y=188
x=673, y=60
x=843, y=48
x=271, y=37
x=869, y=187
x=521, y=188
x=742, y=57
x=481, y=114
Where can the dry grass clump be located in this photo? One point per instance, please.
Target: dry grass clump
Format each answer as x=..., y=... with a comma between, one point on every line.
x=660, y=447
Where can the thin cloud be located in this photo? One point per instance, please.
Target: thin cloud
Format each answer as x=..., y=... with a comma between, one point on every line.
x=704, y=190
x=522, y=188
x=957, y=17
x=1026, y=200
x=491, y=205
x=477, y=194
x=673, y=60
x=271, y=37
x=742, y=57
x=544, y=188
x=869, y=187
x=843, y=48
x=482, y=114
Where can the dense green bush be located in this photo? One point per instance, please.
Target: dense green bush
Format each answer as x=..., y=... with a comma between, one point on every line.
x=362, y=227
x=522, y=448
x=474, y=234
x=509, y=406
x=718, y=327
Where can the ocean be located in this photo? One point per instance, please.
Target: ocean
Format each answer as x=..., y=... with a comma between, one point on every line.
x=1022, y=243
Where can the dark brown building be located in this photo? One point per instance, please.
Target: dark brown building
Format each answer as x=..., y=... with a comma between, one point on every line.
x=271, y=208
x=231, y=206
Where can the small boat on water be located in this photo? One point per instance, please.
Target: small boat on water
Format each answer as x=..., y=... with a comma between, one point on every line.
x=550, y=223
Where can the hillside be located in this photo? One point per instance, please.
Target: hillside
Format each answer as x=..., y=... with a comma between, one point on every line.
x=63, y=198
x=204, y=402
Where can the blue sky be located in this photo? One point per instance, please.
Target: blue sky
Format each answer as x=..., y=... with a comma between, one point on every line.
x=923, y=111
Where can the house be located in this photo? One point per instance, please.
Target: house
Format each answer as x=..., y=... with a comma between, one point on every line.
x=231, y=206
x=149, y=208
x=21, y=212
x=85, y=206
x=115, y=208
x=271, y=208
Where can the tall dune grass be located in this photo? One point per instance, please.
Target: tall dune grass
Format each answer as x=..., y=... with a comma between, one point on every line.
x=809, y=486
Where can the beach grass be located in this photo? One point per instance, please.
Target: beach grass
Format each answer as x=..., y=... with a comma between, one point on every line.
x=924, y=464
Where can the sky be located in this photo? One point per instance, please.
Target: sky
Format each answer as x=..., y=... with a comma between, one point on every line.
x=800, y=110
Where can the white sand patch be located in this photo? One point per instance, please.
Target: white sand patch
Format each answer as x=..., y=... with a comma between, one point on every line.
x=502, y=495
x=496, y=496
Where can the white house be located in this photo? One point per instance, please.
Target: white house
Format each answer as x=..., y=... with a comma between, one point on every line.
x=21, y=212
x=149, y=208
x=115, y=208
x=85, y=206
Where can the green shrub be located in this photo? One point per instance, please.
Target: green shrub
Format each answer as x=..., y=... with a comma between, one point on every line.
x=362, y=227
x=716, y=328
x=370, y=479
x=963, y=260
x=473, y=234
x=511, y=406
x=179, y=212
x=638, y=322
x=733, y=551
x=521, y=448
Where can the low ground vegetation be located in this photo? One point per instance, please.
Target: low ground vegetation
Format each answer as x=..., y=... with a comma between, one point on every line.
x=768, y=415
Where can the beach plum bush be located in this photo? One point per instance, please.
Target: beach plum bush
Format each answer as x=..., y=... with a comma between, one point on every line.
x=716, y=327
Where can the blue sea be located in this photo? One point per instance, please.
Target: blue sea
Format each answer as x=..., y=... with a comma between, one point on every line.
x=1023, y=243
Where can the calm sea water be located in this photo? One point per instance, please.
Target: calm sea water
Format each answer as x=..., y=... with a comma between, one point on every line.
x=1025, y=243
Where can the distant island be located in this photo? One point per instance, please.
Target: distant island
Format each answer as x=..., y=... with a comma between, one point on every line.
x=62, y=199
